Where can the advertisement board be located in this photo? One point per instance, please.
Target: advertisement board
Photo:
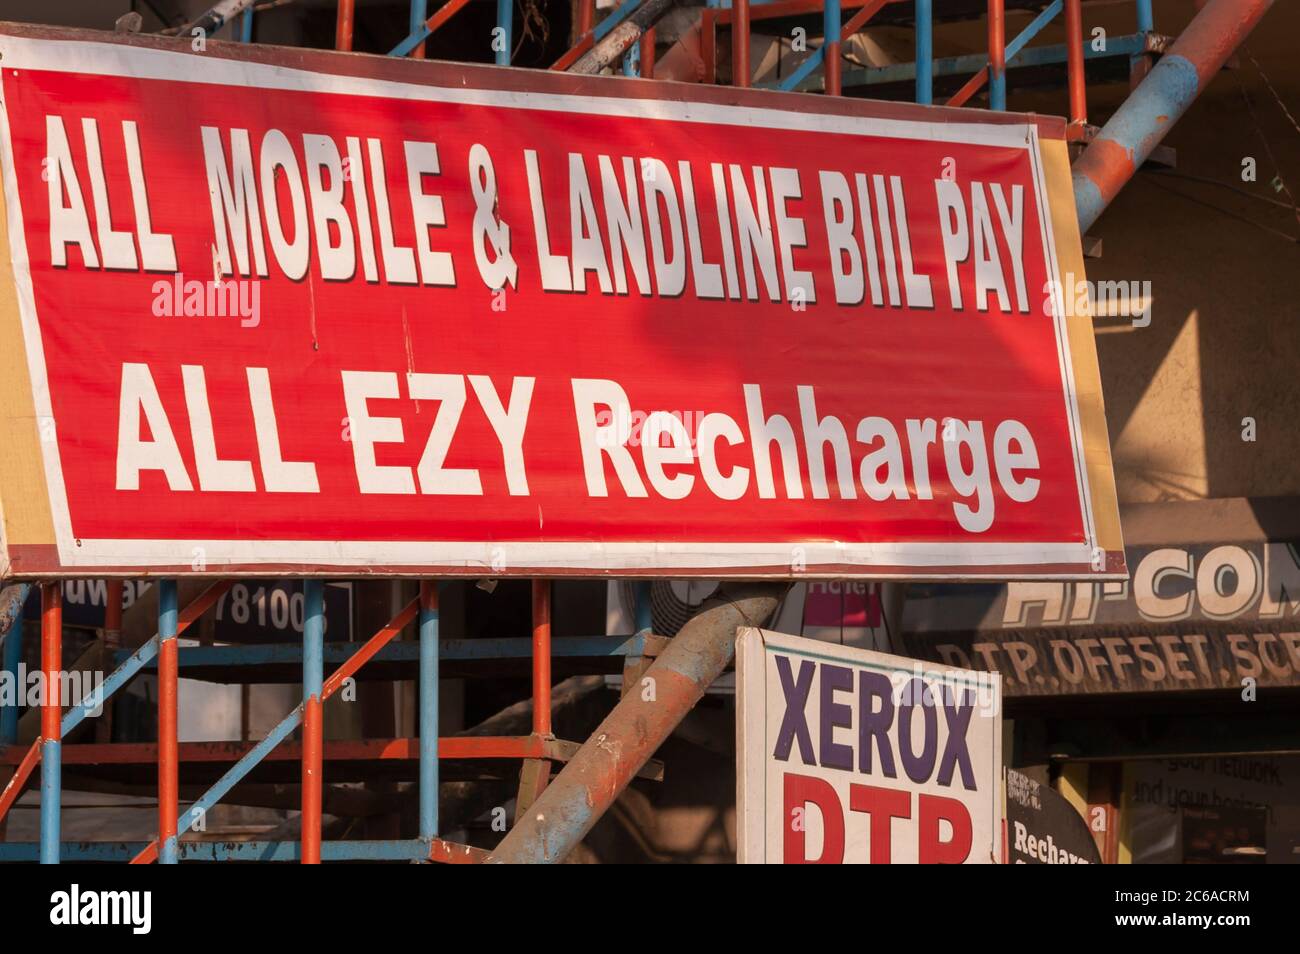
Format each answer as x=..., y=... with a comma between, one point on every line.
x=1043, y=828
x=1212, y=605
x=271, y=312
x=849, y=756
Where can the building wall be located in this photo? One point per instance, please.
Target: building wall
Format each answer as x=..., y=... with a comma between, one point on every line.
x=1224, y=335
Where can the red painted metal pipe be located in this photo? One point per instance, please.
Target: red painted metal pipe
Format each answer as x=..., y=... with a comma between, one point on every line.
x=445, y=13
x=1151, y=110
x=831, y=68
x=997, y=54
x=541, y=657
x=452, y=747
x=343, y=25
x=1074, y=61
x=599, y=771
x=575, y=53
x=997, y=35
x=14, y=787
x=856, y=22
x=648, y=54
x=113, y=614
x=312, y=768
x=51, y=660
x=368, y=650
x=336, y=681
x=969, y=88
x=709, y=45
x=586, y=16
x=740, y=74
x=168, y=760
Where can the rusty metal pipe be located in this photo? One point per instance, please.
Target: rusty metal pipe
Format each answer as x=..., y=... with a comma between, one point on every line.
x=615, y=43
x=213, y=19
x=1139, y=125
x=637, y=726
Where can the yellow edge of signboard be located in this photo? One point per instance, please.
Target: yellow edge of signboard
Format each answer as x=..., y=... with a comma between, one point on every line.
x=24, y=500
x=1083, y=348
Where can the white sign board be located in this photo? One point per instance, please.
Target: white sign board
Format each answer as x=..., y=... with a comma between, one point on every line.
x=850, y=756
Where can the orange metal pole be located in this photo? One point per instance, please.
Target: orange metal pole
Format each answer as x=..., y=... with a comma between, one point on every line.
x=648, y=54
x=831, y=41
x=51, y=740
x=740, y=43
x=1074, y=61
x=113, y=614
x=51, y=659
x=343, y=25
x=313, y=727
x=859, y=19
x=574, y=54
x=313, y=765
x=542, y=657
x=168, y=761
x=22, y=773
x=997, y=55
x=970, y=88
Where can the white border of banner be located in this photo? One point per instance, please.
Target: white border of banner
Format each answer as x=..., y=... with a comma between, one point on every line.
x=141, y=63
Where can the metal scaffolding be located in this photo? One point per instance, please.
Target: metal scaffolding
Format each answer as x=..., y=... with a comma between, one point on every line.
x=590, y=779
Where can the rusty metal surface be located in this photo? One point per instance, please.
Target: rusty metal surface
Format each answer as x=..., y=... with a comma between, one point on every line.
x=1144, y=119
x=636, y=727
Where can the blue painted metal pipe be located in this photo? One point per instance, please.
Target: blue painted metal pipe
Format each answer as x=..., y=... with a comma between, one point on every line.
x=313, y=638
x=290, y=654
x=644, y=608
x=428, y=688
x=831, y=66
x=51, y=799
x=313, y=723
x=168, y=610
x=506, y=24
x=969, y=63
x=997, y=55
x=621, y=13
x=101, y=851
x=1151, y=110
x=119, y=677
x=925, y=51
x=632, y=60
x=1035, y=26
x=1146, y=20
x=802, y=71
x=12, y=614
x=51, y=735
x=235, y=774
x=246, y=27
x=419, y=14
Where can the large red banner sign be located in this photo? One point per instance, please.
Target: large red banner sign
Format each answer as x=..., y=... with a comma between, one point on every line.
x=396, y=316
